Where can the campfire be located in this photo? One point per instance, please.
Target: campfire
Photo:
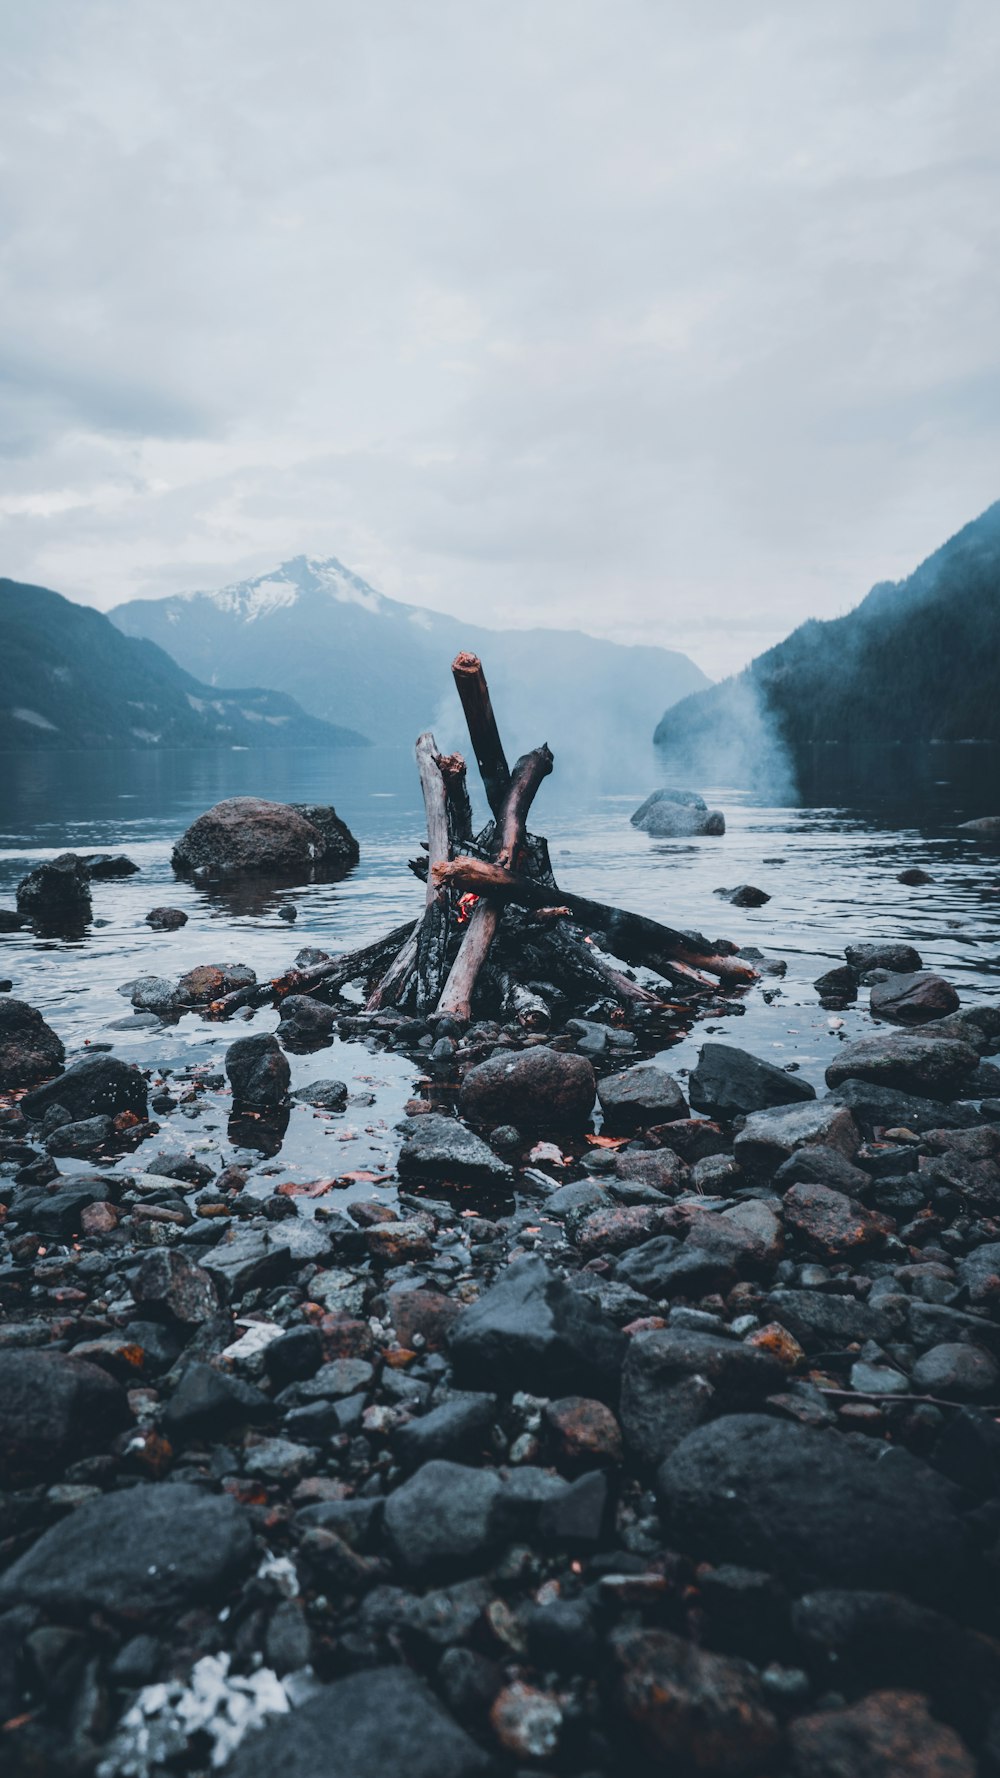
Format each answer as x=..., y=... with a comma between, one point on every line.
x=498, y=935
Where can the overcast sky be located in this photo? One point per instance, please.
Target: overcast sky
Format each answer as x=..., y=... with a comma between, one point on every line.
x=678, y=322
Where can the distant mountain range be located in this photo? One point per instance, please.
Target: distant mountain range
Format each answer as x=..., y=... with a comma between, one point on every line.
x=917, y=660
x=321, y=633
x=69, y=678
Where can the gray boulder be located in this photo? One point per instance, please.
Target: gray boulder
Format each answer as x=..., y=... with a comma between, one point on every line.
x=145, y=1554
x=247, y=835
x=674, y=1380
x=933, y=1067
x=258, y=1072
x=438, y=1147
x=642, y=1094
x=813, y=1509
x=677, y=814
x=913, y=999
x=730, y=1082
x=531, y=1331
x=29, y=1048
x=899, y=959
x=53, y=1411
x=537, y=1088
x=56, y=894
x=98, y=1085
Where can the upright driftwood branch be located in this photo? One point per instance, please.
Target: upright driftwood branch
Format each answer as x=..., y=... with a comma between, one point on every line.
x=456, y=1000
x=435, y=927
x=487, y=746
x=454, y=773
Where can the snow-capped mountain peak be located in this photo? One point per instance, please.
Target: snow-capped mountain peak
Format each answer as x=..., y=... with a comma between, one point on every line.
x=302, y=577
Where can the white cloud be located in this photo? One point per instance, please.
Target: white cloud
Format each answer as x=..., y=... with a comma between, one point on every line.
x=675, y=323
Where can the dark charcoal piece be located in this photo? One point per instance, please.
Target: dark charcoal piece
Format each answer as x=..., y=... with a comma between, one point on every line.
x=148, y=1552
x=813, y=1510
x=370, y=1725
x=531, y=1331
x=94, y=1086
x=730, y=1082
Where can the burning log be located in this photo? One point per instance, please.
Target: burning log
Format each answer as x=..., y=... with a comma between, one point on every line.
x=634, y=937
x=500, y=885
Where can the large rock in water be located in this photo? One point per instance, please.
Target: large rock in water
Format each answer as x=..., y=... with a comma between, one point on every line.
x=438, y=1147
x=932, y=1067
x=56, y=894
x=730, y=1082
x=29, y=1048
x=814, y=1510
x=677, y=814
x=53, y=1411
x=642, y=1094
x=370, y=1725
x=96, y=1086
x=245, y=835
x=532, y=1331
x=913, y=999
x=147, y=1553
x=536, y=1088
x=258, y=1071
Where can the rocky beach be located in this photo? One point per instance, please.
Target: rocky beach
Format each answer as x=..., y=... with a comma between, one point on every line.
x=586, y=1413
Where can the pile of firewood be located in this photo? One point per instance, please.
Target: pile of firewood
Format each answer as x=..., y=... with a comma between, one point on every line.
x=498, y=935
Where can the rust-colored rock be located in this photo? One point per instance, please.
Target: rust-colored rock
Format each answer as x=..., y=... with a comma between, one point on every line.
x=776, y=1340
x=583, y=1433
x=694, y=1711
x=887, y=1735
x=832, y=1222
x=613, y=1231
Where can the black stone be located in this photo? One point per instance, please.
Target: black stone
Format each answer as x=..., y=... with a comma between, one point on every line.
x=730, y=1082
x=813, y=1509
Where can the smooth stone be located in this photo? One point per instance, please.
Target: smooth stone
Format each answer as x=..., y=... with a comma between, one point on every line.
x=729, y=1082
x=438, y=1147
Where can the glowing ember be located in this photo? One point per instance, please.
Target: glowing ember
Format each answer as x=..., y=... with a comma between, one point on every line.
x=466, y=903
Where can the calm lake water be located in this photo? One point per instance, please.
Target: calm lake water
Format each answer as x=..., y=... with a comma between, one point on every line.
x=830, y=871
